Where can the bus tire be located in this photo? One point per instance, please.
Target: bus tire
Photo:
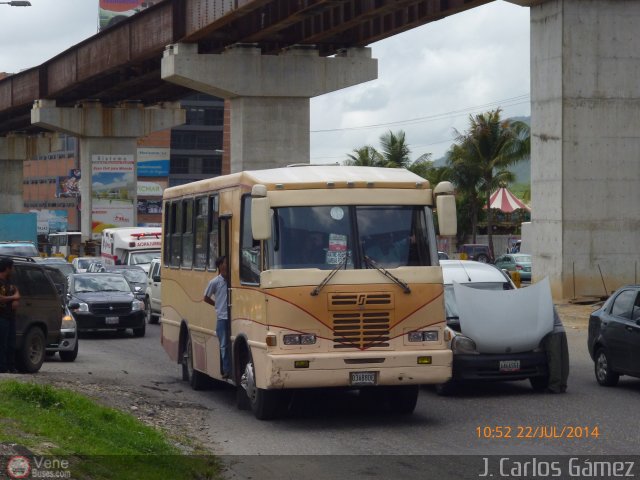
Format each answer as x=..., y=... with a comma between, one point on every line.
x=265, y=404
x=403, y=399
x=197, y=380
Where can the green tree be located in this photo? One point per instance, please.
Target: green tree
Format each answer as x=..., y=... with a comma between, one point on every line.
x=366, y=156
x=395, y=151
x=486, y=151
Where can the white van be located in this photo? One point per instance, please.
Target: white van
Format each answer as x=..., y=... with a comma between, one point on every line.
x=131, y=246
x=488, y=342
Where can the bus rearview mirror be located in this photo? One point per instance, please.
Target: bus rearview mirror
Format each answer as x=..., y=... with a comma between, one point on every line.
x=260, y=218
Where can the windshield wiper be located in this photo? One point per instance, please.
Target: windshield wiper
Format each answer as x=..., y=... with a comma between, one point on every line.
x=387, y=274
x=340, y=265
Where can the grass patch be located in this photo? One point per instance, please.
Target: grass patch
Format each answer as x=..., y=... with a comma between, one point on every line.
x=99, y=442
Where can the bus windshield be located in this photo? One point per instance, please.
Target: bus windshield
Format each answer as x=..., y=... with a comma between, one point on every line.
x=321, y=237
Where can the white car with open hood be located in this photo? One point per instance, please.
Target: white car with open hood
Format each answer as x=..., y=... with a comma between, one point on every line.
x=496, y=330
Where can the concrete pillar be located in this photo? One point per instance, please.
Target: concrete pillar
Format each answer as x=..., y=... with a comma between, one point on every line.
x=269, y=94
x=14, y=150
x=585, y=159
x=104, y=131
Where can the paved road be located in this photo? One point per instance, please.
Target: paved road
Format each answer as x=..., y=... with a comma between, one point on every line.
x=334, y=423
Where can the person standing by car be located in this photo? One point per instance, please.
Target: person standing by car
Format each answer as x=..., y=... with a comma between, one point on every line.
x=217, y=288
x=557, y=350
x=9, y=298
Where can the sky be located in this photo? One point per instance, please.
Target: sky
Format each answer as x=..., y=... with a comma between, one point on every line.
x=430, y=79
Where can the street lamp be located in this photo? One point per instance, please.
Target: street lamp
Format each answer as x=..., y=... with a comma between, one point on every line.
x=17, y=3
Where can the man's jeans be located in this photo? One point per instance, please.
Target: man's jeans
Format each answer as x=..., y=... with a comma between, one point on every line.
x=7, y=344
x=222, y=330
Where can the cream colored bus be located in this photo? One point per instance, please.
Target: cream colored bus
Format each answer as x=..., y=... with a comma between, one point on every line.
x=334, y=282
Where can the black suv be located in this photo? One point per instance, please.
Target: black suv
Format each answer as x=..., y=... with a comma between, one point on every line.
x=39, y=316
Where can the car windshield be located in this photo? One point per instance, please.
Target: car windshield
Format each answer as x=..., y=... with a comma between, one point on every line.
x=450, y=298
x=142, y=258
x=135, y=276
x=101, y=283
x=321, y=237
x=19, y=250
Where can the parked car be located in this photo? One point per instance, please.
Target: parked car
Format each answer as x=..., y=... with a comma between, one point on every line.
x=477, y=251
x=104, y=301
x=39, y=316
x=136, y=276
x=497, y=346
x=153, y=297
x=614, y=336
x=82, y=263
x=19, y=249
x=516, y=262
x=58, y=263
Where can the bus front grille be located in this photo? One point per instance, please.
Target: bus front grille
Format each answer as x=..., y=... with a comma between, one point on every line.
x=361, y=330
x=367, y=301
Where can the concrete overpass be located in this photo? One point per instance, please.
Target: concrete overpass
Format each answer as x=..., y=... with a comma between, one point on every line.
x=585, y=102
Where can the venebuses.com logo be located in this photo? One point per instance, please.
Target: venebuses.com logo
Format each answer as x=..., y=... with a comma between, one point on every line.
x=19, y=466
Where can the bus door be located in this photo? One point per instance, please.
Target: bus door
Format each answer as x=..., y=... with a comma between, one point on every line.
x=224, y=229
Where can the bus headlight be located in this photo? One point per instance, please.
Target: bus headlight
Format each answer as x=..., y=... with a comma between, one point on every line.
x=424, y=336
x=299, y=339
x=461, y=345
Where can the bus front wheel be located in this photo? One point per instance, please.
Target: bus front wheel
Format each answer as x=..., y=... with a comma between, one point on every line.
x=265, y=404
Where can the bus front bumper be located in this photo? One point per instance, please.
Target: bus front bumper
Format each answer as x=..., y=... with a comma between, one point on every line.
x=357, y=370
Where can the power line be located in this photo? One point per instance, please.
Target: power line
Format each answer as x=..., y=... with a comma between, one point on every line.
x=507, y=102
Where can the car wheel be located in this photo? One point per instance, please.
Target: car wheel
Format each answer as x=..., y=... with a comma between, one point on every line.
x=539, y=384
x=69, y=356
x=147, y=310
x=446, y=389
x=32, y=353
x=482, y=258
x=264, y=403
x=139, y=332
x=197, y=380
x=602, y=365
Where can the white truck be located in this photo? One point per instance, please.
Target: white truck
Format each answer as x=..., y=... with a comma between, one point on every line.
x=153, y=297
x=131, y=246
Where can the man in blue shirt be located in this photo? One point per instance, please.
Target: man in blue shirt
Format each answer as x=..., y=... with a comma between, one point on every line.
x=218, y=288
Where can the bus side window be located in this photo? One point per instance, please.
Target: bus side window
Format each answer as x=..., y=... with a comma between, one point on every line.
x=213, y=232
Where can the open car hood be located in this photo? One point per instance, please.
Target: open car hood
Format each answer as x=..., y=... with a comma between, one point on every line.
x=508, y=321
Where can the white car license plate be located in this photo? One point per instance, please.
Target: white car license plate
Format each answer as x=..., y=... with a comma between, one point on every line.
x=112, y=320
x=509, y=365
x=363, y=378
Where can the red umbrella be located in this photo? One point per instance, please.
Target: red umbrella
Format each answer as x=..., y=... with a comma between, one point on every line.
x=504, y=200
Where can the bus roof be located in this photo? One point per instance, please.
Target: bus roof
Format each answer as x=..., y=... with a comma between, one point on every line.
x=308, y=177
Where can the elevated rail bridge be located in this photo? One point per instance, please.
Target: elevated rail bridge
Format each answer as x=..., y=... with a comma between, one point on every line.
x=123, y=62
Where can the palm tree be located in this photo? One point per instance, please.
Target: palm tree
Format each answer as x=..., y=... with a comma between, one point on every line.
x=395, y=151
x=490, y=146
x=366, y=156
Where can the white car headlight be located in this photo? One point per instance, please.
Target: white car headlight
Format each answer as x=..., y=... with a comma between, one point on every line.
x=82, y=307
x=137, y=305
x=463, y=345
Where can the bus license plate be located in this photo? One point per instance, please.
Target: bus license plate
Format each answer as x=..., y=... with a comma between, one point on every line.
x=364, y=378
x=112, y=320
x=509, y=365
